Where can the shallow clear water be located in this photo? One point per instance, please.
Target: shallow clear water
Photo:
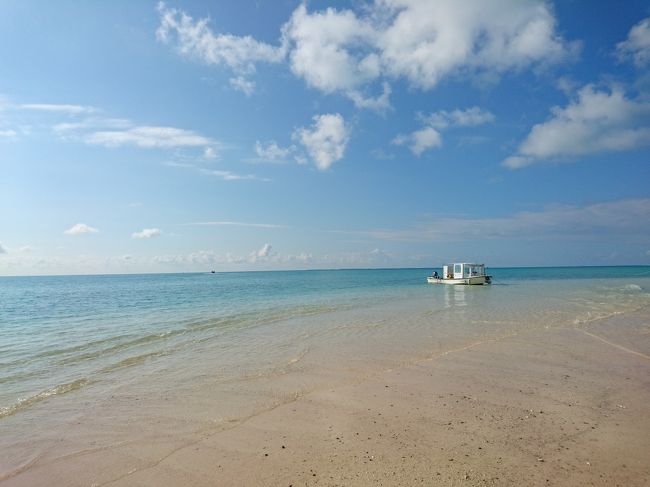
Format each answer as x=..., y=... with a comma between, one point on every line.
x=68, y=338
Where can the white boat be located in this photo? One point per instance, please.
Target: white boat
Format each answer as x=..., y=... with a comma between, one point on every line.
x=461, y=273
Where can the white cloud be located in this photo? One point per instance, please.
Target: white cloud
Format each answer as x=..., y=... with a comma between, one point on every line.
x=201, y=257
x=261, y=255
x=48, y=107
x=595, y=121
x=92, y=123
x=271, y=151
x=267, y=258
x=420, y=140
x=195, y=39
x=25, y=249
x=230, y=176
x=458, y=118
x=246, y=86
x=146, y=136
x=8, y=133
x=178, y=164
x=340, y=50
x=2, y=249
x=429, y=136
x=322, y=52
x=146, y=233
x=622, y=220
x=80, y=228
x=426, y=41
x=265, y=251
x=210, y=153
x=325, y=141
x=380, y=103
x=420, y=40
x=637, y=44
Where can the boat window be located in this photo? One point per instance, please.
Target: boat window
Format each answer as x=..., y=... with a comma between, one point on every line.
x=457, y=269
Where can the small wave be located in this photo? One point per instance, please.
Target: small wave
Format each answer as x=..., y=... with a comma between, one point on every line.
x=54, y=352
x=135, y=360
x=260, y=317
x=632, y=287
x=18, y=376
x=298, y=358
x=58, y=390
x=142, y=340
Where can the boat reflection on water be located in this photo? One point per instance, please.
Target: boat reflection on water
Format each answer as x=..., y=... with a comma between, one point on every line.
x=454, y=296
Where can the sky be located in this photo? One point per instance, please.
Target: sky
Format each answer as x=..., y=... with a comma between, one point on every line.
x=184, y=136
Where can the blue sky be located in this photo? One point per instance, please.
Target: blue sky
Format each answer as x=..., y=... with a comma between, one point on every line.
x=189, y=136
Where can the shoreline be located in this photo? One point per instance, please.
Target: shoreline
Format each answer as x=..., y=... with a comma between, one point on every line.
x=562, y=406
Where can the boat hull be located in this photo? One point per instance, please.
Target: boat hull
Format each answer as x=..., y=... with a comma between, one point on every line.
x=469, y=281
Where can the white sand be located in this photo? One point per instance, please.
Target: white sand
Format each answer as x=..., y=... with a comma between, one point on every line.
x=558, y=407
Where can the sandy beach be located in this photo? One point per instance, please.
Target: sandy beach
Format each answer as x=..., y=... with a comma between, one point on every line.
x=563, y=406
x=324, y=243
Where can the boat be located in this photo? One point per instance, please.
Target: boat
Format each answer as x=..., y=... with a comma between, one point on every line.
x=461, y=273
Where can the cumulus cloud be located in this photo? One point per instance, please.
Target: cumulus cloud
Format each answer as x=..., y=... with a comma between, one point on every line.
x=271, y=151
x=265, y=251
x=353, y=52
x=79, y=229
x=326, y=140
x=262, y=254
x=146, y=233
x=8, y=133
x=146, y=136
x=426, y=41
x=637, y=45
x=429, y=136
x=379, y=103
x=595, y=121
x=421, y=41
x=458, y=118
x=322, y=52
x=420, y=140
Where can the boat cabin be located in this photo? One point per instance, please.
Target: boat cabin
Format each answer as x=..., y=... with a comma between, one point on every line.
x=462, y=270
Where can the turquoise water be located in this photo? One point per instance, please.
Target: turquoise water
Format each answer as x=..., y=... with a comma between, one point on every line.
x=66, y=339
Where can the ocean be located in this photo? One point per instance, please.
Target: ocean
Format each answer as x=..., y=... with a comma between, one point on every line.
x=172, y=354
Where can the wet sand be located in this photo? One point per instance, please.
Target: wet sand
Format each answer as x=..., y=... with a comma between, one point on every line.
x=563, y=406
